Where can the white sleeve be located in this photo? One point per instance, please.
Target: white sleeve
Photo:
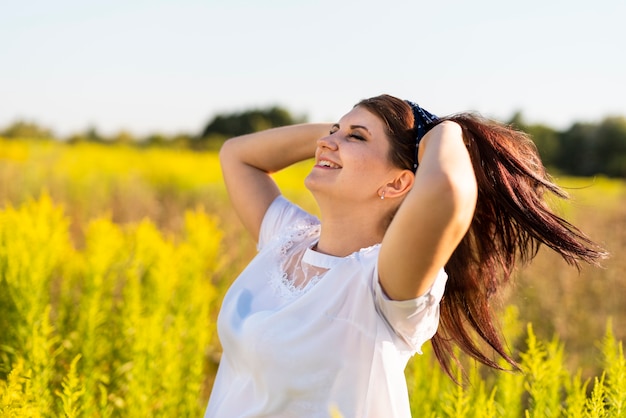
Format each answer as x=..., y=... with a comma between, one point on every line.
x=280, y=214
x=413, y=320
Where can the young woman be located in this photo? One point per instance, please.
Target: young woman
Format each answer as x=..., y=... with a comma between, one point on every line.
x=411, y=243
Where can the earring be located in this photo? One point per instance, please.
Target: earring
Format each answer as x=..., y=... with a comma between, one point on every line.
x=382, y=196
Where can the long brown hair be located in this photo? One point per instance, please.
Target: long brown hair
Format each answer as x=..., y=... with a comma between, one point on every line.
x=511, y=221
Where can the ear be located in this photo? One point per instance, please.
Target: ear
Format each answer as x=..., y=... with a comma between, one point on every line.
x=400, y=185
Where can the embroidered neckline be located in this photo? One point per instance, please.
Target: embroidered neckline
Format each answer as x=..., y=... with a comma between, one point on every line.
x=298, y=267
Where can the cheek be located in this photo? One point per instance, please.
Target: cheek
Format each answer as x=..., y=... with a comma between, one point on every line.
x=372, y=162
x=368, y=173
x=365, y=157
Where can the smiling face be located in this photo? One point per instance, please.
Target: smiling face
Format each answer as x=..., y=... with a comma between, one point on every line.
x=352, y=162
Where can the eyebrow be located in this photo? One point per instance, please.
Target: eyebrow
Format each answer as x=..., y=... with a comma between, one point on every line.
x=336, y=125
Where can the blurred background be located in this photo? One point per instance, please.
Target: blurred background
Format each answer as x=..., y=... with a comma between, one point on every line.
x=111, y=112
x=165, y=67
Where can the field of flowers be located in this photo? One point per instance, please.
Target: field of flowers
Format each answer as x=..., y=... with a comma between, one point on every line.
x=114, y=260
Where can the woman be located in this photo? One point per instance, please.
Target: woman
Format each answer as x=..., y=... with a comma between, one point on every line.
x=411, y=244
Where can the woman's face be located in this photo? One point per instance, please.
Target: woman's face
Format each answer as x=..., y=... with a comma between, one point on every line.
x=352, y=161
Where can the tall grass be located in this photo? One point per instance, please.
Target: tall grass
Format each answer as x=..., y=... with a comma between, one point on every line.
x=118, y=328
x=114, y=260
x=544, y=388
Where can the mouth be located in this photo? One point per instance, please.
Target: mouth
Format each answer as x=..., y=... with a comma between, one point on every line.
x=323, y=163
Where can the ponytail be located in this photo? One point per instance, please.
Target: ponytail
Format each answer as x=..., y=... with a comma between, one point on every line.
x=511, y=221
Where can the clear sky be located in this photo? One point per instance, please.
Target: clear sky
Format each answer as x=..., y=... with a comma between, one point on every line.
x=170, y=66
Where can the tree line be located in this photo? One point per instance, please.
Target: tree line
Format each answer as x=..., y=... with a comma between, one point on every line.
x=583, y=149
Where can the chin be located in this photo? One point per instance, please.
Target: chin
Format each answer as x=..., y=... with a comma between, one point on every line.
x=309, y=183
x=313, y=187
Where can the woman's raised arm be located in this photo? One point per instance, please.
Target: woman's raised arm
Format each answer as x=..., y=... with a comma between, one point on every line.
x=248, y=160
x=433, y=218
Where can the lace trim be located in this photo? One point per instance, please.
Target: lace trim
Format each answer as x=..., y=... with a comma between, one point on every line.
x=286, y=289
x=293, y=277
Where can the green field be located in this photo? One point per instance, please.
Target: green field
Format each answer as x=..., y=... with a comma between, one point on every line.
x=114, y=261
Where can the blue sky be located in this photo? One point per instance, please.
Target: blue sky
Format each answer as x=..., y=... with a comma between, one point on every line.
x=169, y=66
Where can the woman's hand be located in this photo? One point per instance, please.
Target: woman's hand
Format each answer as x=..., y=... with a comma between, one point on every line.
x=247, y=162
x=433, y=218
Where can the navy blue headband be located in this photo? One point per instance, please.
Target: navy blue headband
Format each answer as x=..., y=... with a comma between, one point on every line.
x=423, y=118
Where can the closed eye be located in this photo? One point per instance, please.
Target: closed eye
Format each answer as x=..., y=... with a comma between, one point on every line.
x=335, y=128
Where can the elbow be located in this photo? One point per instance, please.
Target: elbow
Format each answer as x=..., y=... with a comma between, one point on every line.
x=233, y=152
x=226, y=150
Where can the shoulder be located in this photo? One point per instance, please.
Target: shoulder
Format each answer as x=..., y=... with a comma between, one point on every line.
x=283, y=216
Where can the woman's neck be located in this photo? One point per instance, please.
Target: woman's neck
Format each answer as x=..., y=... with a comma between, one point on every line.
x=343, y=235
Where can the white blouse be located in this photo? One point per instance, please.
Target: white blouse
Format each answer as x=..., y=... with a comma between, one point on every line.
x=304, y=333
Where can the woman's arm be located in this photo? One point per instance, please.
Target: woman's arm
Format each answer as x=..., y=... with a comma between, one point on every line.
x=248, y=160
x=433, y=218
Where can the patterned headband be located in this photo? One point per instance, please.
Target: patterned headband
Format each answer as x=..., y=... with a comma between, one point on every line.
x=423, y=118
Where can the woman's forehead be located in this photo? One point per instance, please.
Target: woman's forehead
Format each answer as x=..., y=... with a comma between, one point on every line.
x=360, y=116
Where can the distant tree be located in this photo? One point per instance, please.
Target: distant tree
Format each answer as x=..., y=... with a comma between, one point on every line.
x=76, y=138
x=589, y=149
x=578, y=154
x=547, y=141
x=26, y=130
x=226, y=126
x=180, y=141
x=611, y=146
x=211, y=142
x=123, y=137
x=91, y=134
x=155, y=140
x=517, y=121
x=545, y=138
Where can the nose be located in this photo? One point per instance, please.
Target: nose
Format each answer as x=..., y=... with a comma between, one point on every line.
x=328, y=141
